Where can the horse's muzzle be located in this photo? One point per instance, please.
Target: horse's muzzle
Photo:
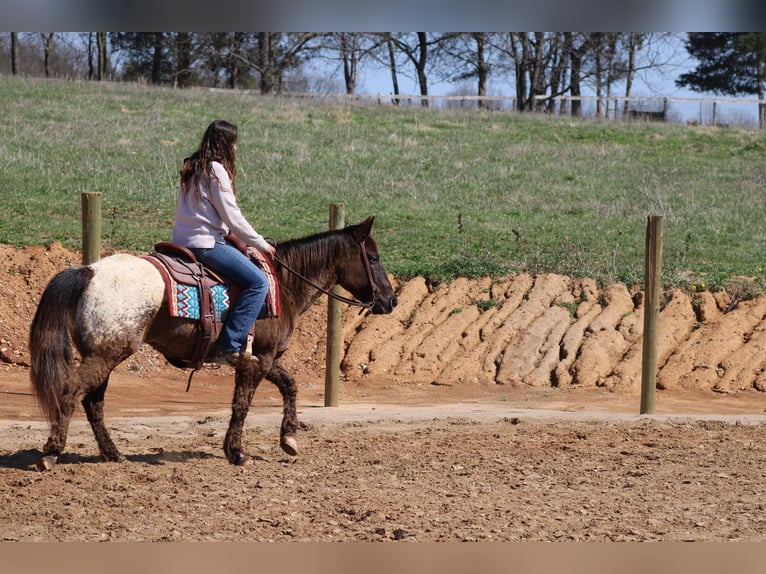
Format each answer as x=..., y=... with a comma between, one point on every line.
x=384, y=305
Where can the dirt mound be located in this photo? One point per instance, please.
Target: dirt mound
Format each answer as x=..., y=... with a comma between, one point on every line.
x=539, y=331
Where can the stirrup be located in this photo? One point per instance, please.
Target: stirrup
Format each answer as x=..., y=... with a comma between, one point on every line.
x=247, y=350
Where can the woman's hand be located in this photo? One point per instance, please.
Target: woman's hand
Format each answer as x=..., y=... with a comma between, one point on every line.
x=270, y=251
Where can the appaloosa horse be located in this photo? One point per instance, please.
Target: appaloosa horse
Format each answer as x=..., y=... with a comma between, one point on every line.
x=108, y=309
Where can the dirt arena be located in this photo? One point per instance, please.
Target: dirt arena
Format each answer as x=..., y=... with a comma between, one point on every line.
x=479, y=410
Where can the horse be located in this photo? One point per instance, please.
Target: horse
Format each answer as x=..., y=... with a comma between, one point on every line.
x=108, y=309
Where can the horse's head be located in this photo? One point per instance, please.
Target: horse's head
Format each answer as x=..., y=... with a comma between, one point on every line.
x=362, y=273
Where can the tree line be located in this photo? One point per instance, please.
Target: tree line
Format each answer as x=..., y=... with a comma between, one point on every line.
x=539, y=65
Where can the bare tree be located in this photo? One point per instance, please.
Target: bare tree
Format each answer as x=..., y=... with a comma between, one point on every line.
x=99, y=70
x=647, y=52
x=467, y=55
x=158, y=57
x=558, y=77
x=47, y=40
x=417, y=48
x=598, y=42
x=103, y=59
x=350, y=60
x=633, y=41
x=546, y=65
x=43, y=54
x=392, y=60
x=14, y=53
x=266, y=65
x=577, y=45
x=91, y=72
x=617, y=57
x=237, y=66
x=608, y=51
x=348, y=52
x=354, y=49
x=279, y=52
x=183, y=59
x=530, y=56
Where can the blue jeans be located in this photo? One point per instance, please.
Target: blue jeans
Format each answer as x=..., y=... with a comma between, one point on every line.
x=229, y=262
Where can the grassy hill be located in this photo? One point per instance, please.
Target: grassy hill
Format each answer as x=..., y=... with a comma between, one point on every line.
x=454, y=192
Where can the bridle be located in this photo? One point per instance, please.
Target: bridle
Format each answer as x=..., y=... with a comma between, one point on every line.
x=336, y=296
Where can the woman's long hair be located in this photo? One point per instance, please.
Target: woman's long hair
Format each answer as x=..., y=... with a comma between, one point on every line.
x=217, y=145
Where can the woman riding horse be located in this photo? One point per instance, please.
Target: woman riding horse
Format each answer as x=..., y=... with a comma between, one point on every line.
x=107, y=310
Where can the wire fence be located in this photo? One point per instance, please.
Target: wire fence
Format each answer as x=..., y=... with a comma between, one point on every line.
x=722, y=112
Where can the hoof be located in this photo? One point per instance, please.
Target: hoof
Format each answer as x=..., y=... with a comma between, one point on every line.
x=119, y=458
x=45, y=463
x=289, y=444
x=243, y=460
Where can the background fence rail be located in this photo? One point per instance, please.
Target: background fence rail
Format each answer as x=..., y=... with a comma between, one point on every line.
x=739, y=112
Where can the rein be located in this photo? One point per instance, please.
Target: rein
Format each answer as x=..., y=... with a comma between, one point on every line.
x=341, y=298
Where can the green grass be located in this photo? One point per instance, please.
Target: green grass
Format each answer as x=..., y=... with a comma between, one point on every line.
x=454, y=192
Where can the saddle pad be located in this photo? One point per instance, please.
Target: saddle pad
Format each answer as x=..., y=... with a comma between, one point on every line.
x=184, y=301
x=272, y=298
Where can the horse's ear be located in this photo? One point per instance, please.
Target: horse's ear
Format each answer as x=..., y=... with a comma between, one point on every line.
x=364, y=228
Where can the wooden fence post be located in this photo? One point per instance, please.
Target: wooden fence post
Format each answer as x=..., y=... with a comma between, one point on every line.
x=91, y=227
x=653, y=287
x=334, y=326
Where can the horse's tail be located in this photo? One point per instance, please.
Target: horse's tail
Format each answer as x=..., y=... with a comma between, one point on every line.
x=50, y=337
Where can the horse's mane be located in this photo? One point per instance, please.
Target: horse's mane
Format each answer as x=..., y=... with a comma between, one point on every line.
x=316, y=249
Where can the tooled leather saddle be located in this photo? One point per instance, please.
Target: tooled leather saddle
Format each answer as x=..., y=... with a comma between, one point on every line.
x=178, y=264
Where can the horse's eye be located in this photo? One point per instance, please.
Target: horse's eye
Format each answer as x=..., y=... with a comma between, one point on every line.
x=374, y=259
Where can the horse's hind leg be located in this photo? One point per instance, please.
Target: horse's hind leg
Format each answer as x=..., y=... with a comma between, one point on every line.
x=289, y=390
x=88, y=384
x=93, y=403
x=244, y=389
x=59, y=431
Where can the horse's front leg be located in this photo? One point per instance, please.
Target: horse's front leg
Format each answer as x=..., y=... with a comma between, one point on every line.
x=289, y=390
x=246, y=382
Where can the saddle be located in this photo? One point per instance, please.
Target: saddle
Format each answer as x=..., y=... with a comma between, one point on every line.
x=178, y=265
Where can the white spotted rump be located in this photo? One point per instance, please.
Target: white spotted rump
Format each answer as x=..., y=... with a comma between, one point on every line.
x=122, y=298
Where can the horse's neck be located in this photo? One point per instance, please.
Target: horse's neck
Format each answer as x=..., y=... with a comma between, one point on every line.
x=302, y=293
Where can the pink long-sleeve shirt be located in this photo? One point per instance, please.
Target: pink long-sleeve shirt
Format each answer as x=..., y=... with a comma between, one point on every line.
x=200, y=222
